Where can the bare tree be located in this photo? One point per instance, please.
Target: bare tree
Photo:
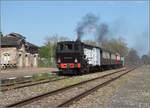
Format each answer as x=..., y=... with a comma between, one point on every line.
x=90, y=42
x=145, y=59
x=132, y=58
x=116, y=46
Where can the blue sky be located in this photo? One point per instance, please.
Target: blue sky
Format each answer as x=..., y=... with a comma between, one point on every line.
x=39, y=19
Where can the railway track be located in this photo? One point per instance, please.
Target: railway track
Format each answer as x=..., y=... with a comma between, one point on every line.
x=7, y=87
x=78, y=85
x=29, y=83
x=83, y=94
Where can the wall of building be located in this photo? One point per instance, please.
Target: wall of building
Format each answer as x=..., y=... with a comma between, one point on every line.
x=31, y=60
x=18, y=57
x=8, y=55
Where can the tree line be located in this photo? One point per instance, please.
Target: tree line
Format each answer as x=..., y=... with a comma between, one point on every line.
x=119, y=45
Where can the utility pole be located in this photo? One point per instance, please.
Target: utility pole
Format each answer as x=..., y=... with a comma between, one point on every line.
x=148, y=33
x=148, y=38
x=149, y=44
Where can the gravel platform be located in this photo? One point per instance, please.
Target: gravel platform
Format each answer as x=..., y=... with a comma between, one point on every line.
x=19, y=72
x=135, y=94
x=130, y=91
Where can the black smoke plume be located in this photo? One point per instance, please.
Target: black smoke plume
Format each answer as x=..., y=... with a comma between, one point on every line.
x=101, y=32
x=88, y=23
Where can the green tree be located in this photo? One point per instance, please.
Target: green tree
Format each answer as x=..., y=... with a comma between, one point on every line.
x=44, y=51
x=47, y=51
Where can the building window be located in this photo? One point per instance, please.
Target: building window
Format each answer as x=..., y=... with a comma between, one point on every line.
x=6, y=57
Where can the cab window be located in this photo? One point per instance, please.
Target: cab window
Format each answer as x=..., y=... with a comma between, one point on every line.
x=68, y=47
x=65, y=46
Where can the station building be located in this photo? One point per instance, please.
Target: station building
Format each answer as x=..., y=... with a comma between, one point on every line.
x=15, y=51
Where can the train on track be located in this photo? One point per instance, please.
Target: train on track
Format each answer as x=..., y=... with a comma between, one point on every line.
x=76, y=57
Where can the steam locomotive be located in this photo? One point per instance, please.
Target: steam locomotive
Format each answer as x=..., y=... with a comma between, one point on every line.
x=76, y=57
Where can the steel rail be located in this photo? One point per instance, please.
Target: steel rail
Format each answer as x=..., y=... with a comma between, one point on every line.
x=3, y=88
x=20, y=82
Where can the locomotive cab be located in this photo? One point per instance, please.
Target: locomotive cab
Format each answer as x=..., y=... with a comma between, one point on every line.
x=68, y=55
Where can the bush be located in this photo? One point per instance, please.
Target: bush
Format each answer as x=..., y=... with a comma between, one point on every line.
x=46, y=62
x=41, y=76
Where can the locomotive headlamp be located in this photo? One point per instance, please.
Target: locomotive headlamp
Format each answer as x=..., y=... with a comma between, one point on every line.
x=59, y=60
x=75, y=60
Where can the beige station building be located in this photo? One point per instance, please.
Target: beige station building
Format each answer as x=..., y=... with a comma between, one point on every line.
x=15, y=51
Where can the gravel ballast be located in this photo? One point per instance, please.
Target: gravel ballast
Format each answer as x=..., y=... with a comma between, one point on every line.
x=55, y=100
x=135, y=94
x=22, y=93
